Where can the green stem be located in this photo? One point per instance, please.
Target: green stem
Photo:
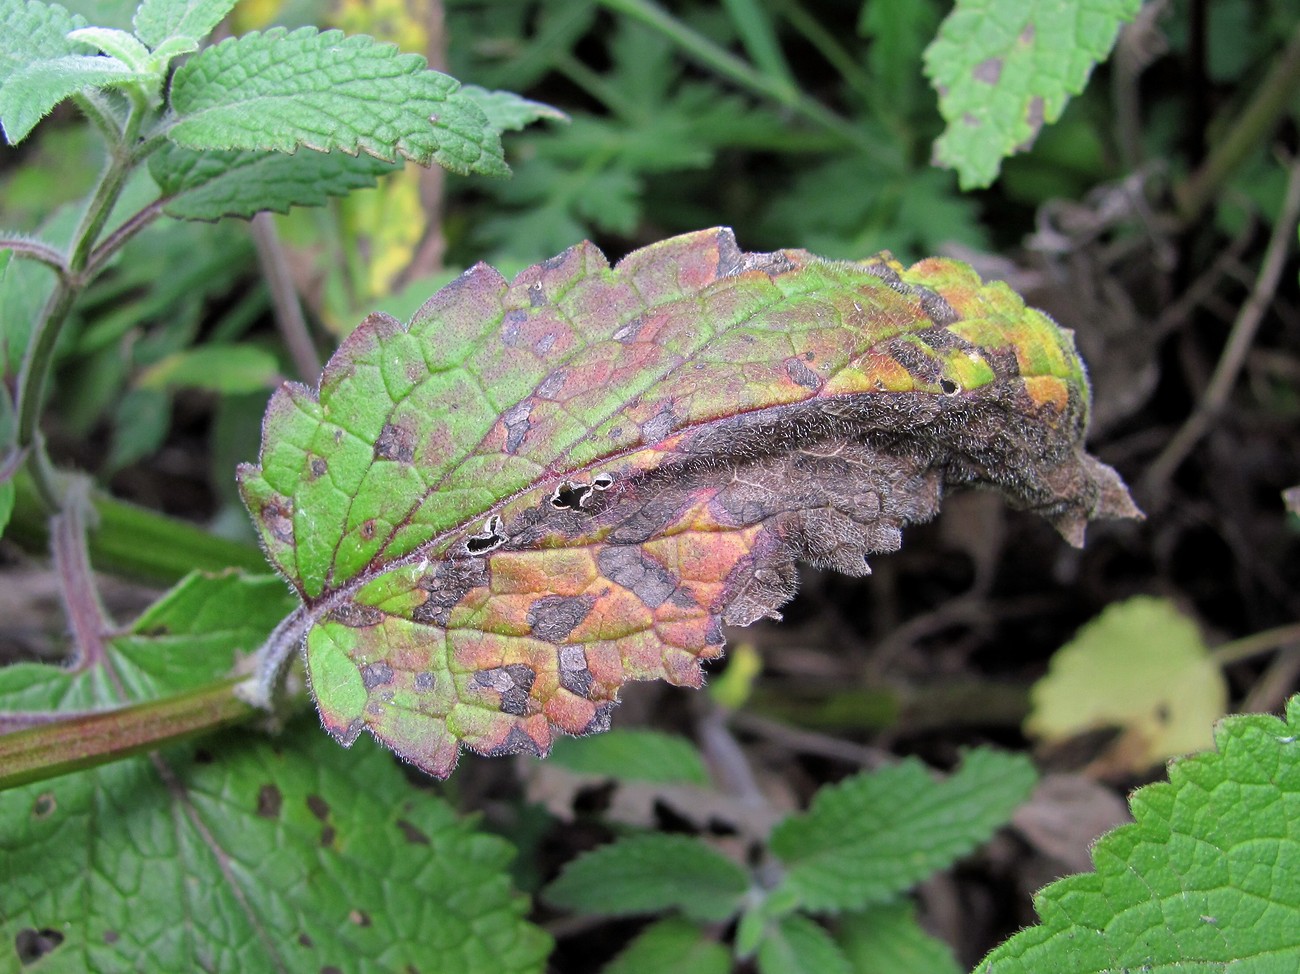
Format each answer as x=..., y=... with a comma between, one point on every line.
x=133, y=540
x=1257, y=644
x=88, y=740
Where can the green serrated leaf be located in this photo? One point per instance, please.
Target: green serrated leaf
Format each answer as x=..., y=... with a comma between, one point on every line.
x=671, y=945
x=632, y=755
x=32, y=92
x=116, y=43
x=32, y=31
x=159, y=20
x=886, y=939
x=259, y=855
x=1204, y=880
x=279, y=90
x=876, y=834
x=211, y=185
x=649, y=873
x=796, y=944
x=508, y=112
x=229, y=369
x=1004, y=68
x=1141, y=666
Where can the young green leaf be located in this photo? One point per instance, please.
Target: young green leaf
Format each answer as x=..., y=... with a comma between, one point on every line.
x=31, y=31
x=1004, y=68
x=649, y=873
x=1142, y=666
x=672, y=944
x=261, y=855
x=876, y=834
x=508, y=112
x=1204, y=880
x=229, y=369
x=32, y=92
x=209, y=185
x=279, y=90
x=540, y=490
x=632, y=755
x=796, y=944
x=886, y=939
x=160, y=20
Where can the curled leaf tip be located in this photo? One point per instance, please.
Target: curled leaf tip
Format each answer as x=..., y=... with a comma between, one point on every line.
x=540, y=489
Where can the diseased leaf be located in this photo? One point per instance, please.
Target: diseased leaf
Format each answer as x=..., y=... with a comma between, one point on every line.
x=1004, y=68
x=262, y=855
x=1204, y=880
x=264, y=91
x=540, y=490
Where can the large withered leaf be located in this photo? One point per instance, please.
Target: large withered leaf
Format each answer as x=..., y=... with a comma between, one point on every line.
x=541, y=489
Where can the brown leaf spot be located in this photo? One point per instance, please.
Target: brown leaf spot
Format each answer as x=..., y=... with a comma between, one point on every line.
x=31, y=945
x=512, y=682
x=111, y=936
x=277, y=515
x=516, y=742
x=553, y=617
x=659, y=426
x=306, y=941
x=574, y=675
x=424, y=682
x=511, y=326
x=318, y=468
x=536, y=296
x=412, y=834
x=937, y=308
x=327, y=835
x=551, y=386
x=601, y=720
x=330, y=969
x=516, y=422
x=269, y=801
x=368, y=529
x=644, y=577
x=969, y=120
x=360, y=917
x=395, y=443
x=800, y=374
x=377, y=674
x=318, y=806
x=44, y=806
x=1027, y=35
x=989, y=70
x=356, y=616
x=1034, y=116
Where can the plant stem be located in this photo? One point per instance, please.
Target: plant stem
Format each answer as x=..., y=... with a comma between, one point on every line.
x=86, y=741
x=284, y=298
x=1257, y=644
x=86, y=615
x=35, y=250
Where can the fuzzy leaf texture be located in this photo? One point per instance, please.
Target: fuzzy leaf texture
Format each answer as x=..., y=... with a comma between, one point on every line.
x=1204, y=880
x=876, y=834
x=1004, y=68
x=157, y=20
x=32, y=31
x=260, y=856
x=538, y=490
x=32, y=92
x=279, y=90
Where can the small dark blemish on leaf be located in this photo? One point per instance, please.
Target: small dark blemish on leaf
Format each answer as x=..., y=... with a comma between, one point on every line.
x=536, y=296
x=395, y=443
x=989, y=70
x=278, y=518
x=512, y=682
x=356, y=616
x=376, y=675
x=327, y=835
x=1034, y=115
x=517, y=425
x=318, y=468
x=644, y=577
x=601, y=720
x=550, y=387
x=111, y=936
x=424, y=682
x=553, y=617
x=368, y=529
x=360, y=917
x=574, y=675
x=269, y=801
x=949, y=387
x=969, y=120
x=306, y=941
x=31, y=945
x=318, y=806
x=510, y=327
x=412, y=834
x=1027, y=35
x=660, y=425
x=801, y=375
x=44, y=806
x=936, y=307
x=338, y=437
x=627, y=334
x=516, y=742
x=544, y=344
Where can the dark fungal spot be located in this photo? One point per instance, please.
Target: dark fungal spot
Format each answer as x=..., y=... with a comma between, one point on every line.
x=936, y=307
x=305, y=941
x=536, y=296
x=424, y=682
x=395, y=443
x=269, y=801
x=356, y=616
x=659, y=426
x=988, y=71
x=510, y=327
x=644, y=577
x=327, y=835
x=31, y=944
x=330, y=969
x=367, y=531
x=44, y=806
x=553, y=617
x=517, y=425
x=376, y=674
x=516, y=742
x=111, y=936
x=550, y=387
x=949, y=387
x=601, y=720
x=544, y=344
x=411, y=833
x=801, y=375
x=277, y=515
x=512, y=683
x=574, y=675
x=318, y=806
x=360, y=917
x=318, y=468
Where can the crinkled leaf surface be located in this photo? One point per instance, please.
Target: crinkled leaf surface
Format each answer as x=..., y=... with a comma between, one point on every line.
x=672, y=944
x=31, y=30
x=1204, y=880
x=323, y=90
x=1004, y=68
x=244, y=855
x=157, y=20
x=888, y=939
x=796, y=944
x=541, y=489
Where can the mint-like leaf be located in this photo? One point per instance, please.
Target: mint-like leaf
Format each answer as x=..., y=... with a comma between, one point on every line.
x=1004, y=68
x=632, y=755
x=279, y=90
x=672, y=944
x=649, y=873
x=32, y=31
x=1204, y=880
x=213, y=184
x=887, y=939
x=796, y=944
x=876, y=834
x=32, y=92
x=159, y=20
x=255, y=855
x=508, y=112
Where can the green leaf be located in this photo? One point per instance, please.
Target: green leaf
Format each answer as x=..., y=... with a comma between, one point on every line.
x=632, y=755
x=248, y=854
x=886, y=939
x=32, y=92
x=279, y=90
x=649, y=873
x=796, y=944
x=116, y=43
x=210, y=185
x=230, y=369
x=508, y=112
x=32, y=31
x=1142, y=666
x=160, y=20
x=876, y=834
x=672, y=944
x=1204, y=880
x=1004, y=68
x=540, y=490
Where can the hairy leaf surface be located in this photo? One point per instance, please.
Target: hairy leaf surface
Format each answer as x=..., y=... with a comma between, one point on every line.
x=538, y=490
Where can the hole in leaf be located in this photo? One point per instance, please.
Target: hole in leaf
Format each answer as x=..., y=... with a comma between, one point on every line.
x=31, y=945
x=602, y=481
x=949, y=387
x=490, y=537
x=569, y=496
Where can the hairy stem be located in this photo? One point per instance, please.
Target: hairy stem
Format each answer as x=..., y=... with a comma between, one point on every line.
x=284, y=298
x=86, y=615
x=35, y=250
